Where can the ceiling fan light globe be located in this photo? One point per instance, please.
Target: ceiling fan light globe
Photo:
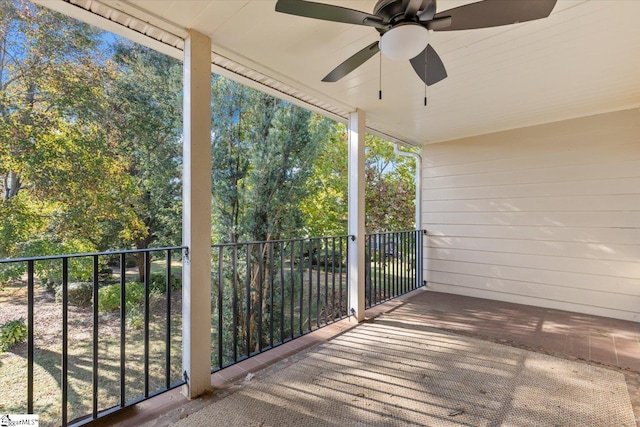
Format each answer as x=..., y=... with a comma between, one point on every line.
x=404, y=42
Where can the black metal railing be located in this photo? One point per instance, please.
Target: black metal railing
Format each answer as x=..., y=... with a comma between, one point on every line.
x=119, y=314
x=119, y=317
x=393, y=265
x=267, y=293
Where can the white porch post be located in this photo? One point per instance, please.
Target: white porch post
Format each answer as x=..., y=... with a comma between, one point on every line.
x=356, y=214
x=196, y=215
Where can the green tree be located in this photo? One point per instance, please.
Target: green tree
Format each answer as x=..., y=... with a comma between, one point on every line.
x=325, y=208
x=57, y=169
x=389, y=188
x=263, y=150
x=146, y=126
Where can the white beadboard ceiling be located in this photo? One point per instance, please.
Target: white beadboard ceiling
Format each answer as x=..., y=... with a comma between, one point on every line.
x=582, y=60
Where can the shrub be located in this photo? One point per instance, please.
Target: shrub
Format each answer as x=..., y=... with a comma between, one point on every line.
x=109, y=296
x=12, y=333
x=157, y=283
x=79, y=293
x=135, y=317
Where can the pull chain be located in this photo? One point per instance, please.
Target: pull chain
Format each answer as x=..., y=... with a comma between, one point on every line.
x=380, y=81
x=425, y=83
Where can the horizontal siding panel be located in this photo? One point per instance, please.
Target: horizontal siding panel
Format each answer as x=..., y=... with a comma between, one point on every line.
x=629, y=236
x=551, y=156
x=617, y=285
x=570, y=188
x=605, y=129
x=600, y=267
x=543, y=219
x=622, y=169
x=547, y=215
x=539, y=204
x=529, y=289
x=559, y=249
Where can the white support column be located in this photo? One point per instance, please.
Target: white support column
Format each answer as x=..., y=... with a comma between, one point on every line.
x=356, y=214
x=196, y=215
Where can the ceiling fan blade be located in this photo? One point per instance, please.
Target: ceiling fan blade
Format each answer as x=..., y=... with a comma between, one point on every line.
x=329, y=12
x=493, y=13
x=439, y=24
x=428, y=66
x=352, y=63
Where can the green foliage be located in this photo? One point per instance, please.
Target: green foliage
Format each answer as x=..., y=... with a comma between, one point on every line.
x=389, y=188
x=78, y=293
x=58, y=169
x=109, y=297
x=147, y=123
x=11, y=333
x=325, y=207
x=50, y=271
x=263, y=150
x=158, y=283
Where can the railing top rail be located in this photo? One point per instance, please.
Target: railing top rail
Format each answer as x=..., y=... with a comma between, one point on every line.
x=297, y=239
x=89, y=254
x=392, y=232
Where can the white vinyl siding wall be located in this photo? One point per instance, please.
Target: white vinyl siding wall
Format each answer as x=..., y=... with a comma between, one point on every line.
x=547, y=215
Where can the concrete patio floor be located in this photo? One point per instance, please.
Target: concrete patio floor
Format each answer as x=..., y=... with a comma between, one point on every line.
x=597, y=341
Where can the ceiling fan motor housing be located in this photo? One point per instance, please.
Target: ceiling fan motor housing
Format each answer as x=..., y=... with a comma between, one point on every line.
x=394, y=11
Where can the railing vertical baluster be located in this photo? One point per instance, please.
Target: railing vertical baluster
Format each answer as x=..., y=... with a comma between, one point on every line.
x=248, y=302
x=220, y=307
x=319, y=243
x=260, y=290
x=385, y=285
x=30, y=343
x=420, y=250
x=414, y=261
x=293, y=287
x=65, y=337
x=326, y=280
x=347, y=302
x=399, y=266
x=409, y=262
x=94, y=378
x=271, y=284
x=301, y=275
x=341, y=279
x=381, y=261
x=147, y=273
x=123, y=307
x=167, y=331
x=401, y=256
x=310, y=279
x=234, y=301
x=418, y=260
x=410, y=246
x=282, y=251
x=370, y=279
x=333, y=278
x=394, y=264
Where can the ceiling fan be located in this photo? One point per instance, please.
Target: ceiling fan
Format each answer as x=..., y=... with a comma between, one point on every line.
x=404, y=27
